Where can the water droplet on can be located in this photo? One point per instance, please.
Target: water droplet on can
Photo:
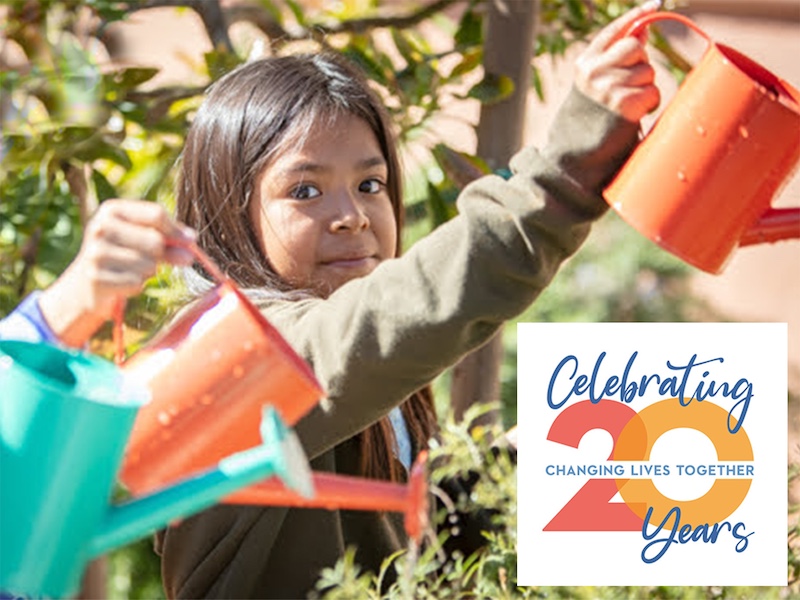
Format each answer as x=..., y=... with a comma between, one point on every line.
x=207, y=399
x=248, y=346
x=744, y=132
x=165, y=435
x=164, y=418
x=701, y=131
x=238, y=371
x=681, y=176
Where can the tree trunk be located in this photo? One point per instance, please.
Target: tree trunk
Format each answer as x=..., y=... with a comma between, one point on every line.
x=508, y=50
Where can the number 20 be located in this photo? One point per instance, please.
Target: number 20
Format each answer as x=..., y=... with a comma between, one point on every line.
x=633, y=435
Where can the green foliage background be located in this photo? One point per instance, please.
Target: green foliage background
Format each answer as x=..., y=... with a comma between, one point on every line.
x=78, y=129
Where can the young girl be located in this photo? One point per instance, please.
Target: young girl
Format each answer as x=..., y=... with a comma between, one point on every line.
x=290, y=178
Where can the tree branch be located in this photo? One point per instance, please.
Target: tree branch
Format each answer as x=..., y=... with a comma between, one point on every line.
x=403, y=22
x=215, y=23
x=216, y=20
x=275, y=31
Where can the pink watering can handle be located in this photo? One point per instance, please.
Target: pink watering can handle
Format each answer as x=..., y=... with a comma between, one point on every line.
x=119, y=310
x=638, y=26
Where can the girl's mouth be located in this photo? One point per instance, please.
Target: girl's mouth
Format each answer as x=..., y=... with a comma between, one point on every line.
x=351, y=262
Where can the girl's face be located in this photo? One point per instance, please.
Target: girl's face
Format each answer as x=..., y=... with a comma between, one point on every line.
x=322, y=211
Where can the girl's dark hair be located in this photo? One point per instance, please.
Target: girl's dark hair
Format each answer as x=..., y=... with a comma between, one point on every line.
x=249, y=116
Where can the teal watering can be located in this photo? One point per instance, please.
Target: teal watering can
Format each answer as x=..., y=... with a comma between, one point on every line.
x=65, y=418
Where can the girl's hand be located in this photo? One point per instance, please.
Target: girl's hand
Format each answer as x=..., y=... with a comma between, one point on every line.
x=614, y=70
x=123, y=244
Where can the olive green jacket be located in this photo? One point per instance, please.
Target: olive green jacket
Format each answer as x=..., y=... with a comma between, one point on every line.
x=378, y=339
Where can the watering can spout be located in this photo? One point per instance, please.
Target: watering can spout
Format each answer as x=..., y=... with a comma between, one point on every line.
x=280, y=455
x=775, y=225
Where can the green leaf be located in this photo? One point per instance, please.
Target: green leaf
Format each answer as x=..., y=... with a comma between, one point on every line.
x=441, y=210
x=371, y=67
x=273, y=11
x=128, y=78
x=99, y=148
x=409, y=53
x=470, y=60
x=67, y=137
x=219, y=62
x=577, y=13
x=492, y=89
x=109, y=10
x=536, y=83
x=470, y=30
x=417, y=82
x=297, y=11
x=102, y=187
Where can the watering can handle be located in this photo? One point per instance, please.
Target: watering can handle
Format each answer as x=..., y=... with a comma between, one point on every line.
x=639, y=24
x=119, y=309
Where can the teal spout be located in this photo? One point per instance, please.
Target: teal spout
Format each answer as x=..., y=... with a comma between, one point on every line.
x=280, y=455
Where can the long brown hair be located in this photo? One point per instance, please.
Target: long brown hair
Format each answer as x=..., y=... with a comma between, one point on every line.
x=249, y=116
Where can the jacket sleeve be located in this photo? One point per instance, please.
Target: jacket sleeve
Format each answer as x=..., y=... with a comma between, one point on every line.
x=26, y=322
x=379, y=338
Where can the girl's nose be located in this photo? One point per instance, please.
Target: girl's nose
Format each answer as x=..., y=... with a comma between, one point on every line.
x=350, y=214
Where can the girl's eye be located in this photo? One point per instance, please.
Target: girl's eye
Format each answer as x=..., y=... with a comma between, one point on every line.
x=305, y=191
x=371, y=186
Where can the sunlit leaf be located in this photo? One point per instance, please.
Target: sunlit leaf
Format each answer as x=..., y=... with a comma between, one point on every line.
x=536, y=83
x=98, y=148
x=297, y=11
x=470, y=60
x=128, y=78
x=218, y=62
x=492, y=89
x=404, y=47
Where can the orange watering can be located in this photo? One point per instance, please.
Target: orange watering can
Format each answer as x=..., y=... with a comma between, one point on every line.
x=702, y=181
x=209, y=375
